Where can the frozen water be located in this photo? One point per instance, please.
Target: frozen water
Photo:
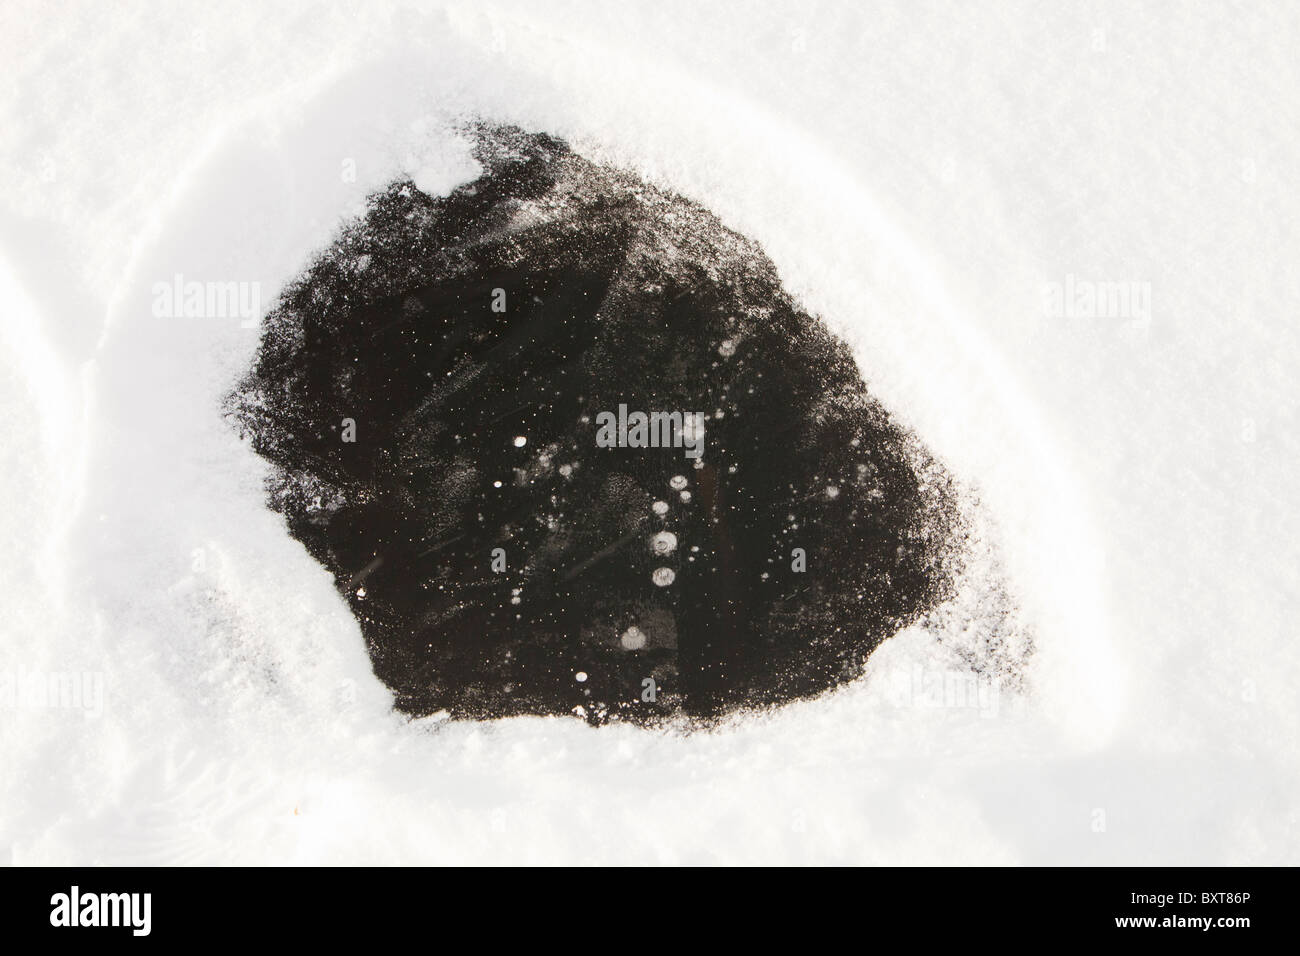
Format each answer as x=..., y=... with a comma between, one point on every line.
x=919, y=174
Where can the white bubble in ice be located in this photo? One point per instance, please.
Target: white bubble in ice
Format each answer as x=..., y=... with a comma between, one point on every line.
x=566, y=470
x=663, y=577
x=727, y=348
x=496, y=484
x=633, y=638
x=520, y=441
x=686, y=496
x=677, y=482
x=660, y=508
x=580, y=677
x=665, y=542
x=832, y=491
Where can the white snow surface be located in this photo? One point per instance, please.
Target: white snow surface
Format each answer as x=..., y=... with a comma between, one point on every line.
x=919, y=172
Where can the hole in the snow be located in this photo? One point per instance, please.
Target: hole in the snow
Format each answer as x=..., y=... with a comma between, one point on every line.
x=450, y=398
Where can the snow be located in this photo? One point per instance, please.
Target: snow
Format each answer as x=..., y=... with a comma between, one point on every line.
x=920, y=173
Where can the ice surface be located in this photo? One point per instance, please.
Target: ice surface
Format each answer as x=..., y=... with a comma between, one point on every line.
x=919, y=173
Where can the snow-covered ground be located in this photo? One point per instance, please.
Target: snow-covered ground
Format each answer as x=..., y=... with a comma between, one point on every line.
x=921, y=173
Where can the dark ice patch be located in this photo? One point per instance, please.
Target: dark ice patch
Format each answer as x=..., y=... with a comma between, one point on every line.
x=615, y=293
